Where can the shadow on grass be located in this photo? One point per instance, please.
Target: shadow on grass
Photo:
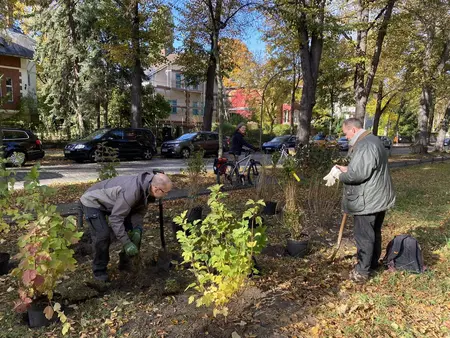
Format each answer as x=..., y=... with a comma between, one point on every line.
x=433, y=239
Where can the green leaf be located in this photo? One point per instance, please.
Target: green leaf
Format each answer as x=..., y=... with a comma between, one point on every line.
x=65, y=328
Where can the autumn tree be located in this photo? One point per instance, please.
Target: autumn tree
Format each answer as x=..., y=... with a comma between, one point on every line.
x=139, y=31
x=204, y=24
x=306, y=20
x=372, y=21
x=431, y=29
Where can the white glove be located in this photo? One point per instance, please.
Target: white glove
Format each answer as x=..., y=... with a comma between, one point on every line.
x=332, y=176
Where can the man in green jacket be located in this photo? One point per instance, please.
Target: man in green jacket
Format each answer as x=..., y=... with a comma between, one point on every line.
x=368, y=193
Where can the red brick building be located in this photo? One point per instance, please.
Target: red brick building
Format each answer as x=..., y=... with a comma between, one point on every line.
x=17, y=70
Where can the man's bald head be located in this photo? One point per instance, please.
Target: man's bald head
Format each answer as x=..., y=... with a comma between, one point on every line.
x=160, y=186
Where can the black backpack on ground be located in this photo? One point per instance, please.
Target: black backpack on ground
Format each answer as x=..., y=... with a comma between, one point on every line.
x=404, y=253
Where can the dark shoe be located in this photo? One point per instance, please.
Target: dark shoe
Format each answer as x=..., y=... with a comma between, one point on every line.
x=375, y=271
x=101, y=276
x=358, y=277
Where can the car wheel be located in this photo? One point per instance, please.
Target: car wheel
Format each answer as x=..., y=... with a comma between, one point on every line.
x=185, y=153
x=92, y=156
x=16, y=159
x=147, y=154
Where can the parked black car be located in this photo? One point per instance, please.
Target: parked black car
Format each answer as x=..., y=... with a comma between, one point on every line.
x=446, y=142
x=16, y=140
x=130, y=143
x=190, y=142
x=277, y=143
x=387, y=142
x=343, y=143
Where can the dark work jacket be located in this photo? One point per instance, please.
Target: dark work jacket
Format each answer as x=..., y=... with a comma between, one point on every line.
x=237, y=142
x=368, y=186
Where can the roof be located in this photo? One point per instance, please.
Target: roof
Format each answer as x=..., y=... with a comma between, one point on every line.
x=15, y=43
x=170, y=59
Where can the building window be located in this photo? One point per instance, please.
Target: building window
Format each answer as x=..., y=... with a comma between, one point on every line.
x=195, y=86
x=178, y=80
x=9, y=89
x=173, y=104
x=195, y=108
x=286, y=116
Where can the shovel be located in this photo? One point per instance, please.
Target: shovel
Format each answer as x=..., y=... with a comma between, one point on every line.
x=338, y=244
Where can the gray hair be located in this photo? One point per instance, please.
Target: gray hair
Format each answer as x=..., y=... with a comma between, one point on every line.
x=354, y=122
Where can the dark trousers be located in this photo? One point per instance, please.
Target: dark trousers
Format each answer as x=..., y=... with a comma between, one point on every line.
x=101, y=237
x=367, y=233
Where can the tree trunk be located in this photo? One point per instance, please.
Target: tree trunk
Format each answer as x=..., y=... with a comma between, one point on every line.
x=364, y=87
x=220, y=105
x=99, y=113
x=294, y=87
x=105, y=114
x=71, y=11
x=209, y=93
x=378, y=111
x=310, y=54
x=431, y=117
x=186, y=92
x=424, y=111
x=361, y=49
x=443, y=129
x=332, y=110
x=136, y=81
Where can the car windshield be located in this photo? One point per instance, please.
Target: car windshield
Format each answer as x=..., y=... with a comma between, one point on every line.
x=319, y=137
x=343, y=139
x=280, y=139
x=96, y=135
x=186, y=137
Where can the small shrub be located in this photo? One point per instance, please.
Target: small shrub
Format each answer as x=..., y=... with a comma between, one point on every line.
x=7, y=207
x=220, y=250
x=107, y=159
x=292, y=213
x=195, y=171
x=44, y=250
x=323, y=202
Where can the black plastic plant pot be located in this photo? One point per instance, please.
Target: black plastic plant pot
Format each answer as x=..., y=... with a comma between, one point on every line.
x=252, y=222
x=270, y=208
x=297, y=249
x=4, y=263
x=193, y=215
x=36, y=316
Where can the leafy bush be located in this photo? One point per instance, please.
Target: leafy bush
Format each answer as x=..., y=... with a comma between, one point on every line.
x=317, y=160
x=107, y=159
x=44, y=250
x=220, y=250
x=7, y=208
x=281, y=129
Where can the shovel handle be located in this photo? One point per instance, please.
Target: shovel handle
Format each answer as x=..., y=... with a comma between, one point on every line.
x=338, y=244
x=341, y=231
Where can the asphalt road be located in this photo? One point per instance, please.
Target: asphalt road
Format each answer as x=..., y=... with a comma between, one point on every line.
x=84, y=172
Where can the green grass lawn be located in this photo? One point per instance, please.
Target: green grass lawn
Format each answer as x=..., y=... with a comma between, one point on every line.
x=293, y=297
